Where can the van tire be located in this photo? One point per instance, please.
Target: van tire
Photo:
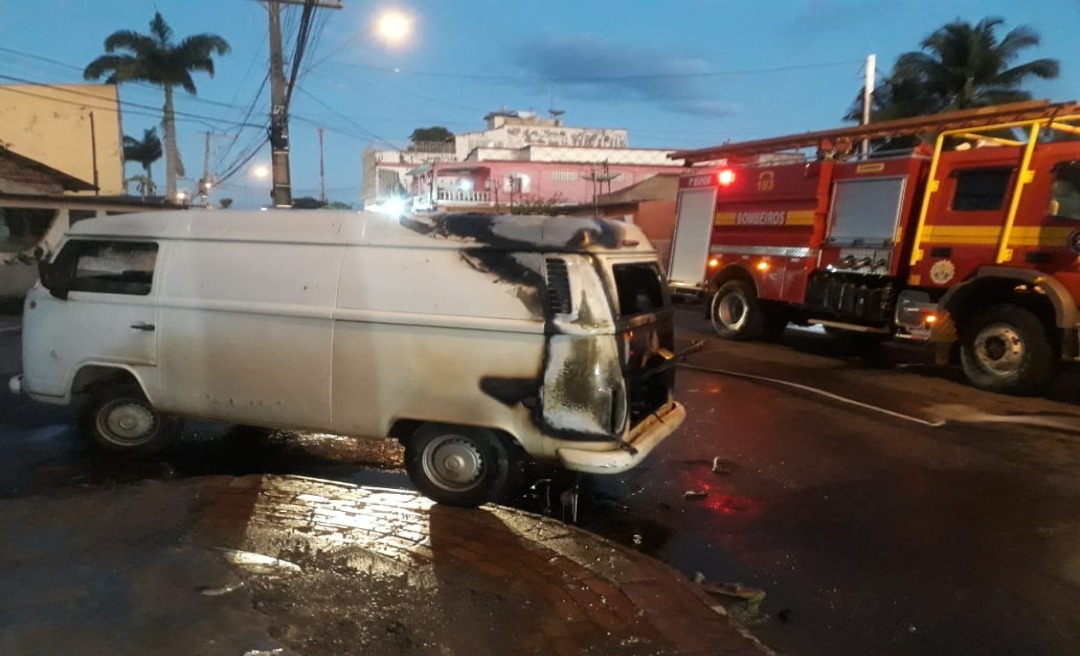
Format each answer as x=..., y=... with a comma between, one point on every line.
x=1006, y=349
x=122, y=420
x=737, y=314
x=460, y=465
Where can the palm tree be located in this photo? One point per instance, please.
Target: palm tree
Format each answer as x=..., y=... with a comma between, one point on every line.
x=156, y=59
x=960, y=66
x=145, y=152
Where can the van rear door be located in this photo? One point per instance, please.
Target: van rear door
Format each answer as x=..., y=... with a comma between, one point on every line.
x=645, y=328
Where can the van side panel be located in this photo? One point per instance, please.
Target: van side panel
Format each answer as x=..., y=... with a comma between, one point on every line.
x=419, y=331
x=246, y=331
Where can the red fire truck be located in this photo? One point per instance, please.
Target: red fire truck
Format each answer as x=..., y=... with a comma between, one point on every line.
x=975, y=240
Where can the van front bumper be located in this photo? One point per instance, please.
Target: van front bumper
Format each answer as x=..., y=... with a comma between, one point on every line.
x=639, y=442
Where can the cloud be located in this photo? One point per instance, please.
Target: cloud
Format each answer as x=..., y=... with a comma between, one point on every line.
x=594, y=68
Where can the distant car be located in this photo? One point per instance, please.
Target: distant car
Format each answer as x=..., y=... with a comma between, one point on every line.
x=478, y=341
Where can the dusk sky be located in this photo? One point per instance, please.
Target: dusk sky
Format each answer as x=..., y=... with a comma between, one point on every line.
x=683, y=73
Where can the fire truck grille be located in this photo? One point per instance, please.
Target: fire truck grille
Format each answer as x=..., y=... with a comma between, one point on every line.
x=852, y=298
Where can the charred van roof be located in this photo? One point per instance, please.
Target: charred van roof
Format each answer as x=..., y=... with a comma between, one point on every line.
x=519, y=233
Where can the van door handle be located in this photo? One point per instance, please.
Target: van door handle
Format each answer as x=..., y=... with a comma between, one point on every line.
x=148, y=327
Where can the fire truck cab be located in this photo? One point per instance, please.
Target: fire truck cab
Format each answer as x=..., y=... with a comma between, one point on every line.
x=974, y=241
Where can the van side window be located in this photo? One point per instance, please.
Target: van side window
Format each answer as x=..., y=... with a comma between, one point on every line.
x=981, y=190
x=112, y=267
x=639, y=288
x=1066, y=190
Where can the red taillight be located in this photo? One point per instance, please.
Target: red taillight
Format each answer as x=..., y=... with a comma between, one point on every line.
x=725, y=177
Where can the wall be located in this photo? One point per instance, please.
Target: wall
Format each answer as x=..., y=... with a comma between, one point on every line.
x=567, y=182
x=51, y=124
x=516, y=136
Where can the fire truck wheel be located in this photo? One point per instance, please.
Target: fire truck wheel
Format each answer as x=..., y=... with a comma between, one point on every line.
x=736, y=313
x=1006, y=349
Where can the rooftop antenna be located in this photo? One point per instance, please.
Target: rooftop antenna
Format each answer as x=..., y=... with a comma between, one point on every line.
x=555, y=113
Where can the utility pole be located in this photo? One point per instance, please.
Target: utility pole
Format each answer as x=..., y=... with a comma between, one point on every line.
x=279, y=119
x=279, y=108
x=322, y=170
x=205, y=183
x=868, y=97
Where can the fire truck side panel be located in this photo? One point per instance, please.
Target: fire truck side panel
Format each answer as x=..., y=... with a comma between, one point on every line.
x=966, y=215
x=1040, y=239
x=872, y=205
x=693, y=229
x=765, y=224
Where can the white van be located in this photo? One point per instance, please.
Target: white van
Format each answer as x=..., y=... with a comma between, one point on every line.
x=476, y=340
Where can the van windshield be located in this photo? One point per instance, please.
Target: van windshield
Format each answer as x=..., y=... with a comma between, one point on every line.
x=639, y=288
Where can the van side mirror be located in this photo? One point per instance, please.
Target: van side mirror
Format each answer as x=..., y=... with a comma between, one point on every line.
x=53, y=279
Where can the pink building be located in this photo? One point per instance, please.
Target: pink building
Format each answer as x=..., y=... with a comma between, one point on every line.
x=520, y=158
x=495, y=185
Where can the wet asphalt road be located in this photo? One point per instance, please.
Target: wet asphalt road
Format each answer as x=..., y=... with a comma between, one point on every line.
x=868, y=533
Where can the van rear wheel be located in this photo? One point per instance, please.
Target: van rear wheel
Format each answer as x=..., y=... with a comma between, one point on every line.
x=460, y=465
x=121, y=419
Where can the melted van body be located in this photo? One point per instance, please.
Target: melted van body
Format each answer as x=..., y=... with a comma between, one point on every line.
x=476, y=340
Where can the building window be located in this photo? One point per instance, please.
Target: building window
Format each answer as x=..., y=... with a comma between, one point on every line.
x=517, y=183
x=981, y=190
x=110, y=267
x=564, y=176
x=1066, y=190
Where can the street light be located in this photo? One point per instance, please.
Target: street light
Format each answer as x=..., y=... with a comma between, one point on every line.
x=393, y=26
x=261, y=171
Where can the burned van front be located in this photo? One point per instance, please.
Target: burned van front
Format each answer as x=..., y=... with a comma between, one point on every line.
x=609, y=374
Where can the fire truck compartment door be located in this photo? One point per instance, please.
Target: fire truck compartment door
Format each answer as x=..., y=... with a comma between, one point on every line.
x=866, y=211
x=693, y=232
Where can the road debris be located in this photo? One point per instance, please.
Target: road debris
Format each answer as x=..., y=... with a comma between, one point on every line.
x=257, y=563
x=218, y=590
x=694, y=495
x=750, y=595
x=722, y=467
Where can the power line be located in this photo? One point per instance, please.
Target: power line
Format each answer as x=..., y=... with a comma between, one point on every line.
x=345, y=118
x=596, y=78
x=144, y=85
x=181, y=116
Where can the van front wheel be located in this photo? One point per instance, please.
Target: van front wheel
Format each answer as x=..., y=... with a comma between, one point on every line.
x=459, y=466
x=122, y=419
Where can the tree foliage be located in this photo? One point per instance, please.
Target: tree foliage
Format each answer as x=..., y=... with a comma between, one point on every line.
x=959, y=66
x=435, y=133
x=145, y=151
x=157, y=59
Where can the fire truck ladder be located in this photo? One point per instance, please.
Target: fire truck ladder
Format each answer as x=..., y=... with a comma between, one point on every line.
x=978, y=124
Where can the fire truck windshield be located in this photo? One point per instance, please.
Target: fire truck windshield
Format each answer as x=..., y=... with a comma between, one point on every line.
x=1066, y=190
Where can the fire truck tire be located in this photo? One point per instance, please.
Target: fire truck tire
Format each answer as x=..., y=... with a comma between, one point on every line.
x=1006, y=349
x=736, y=313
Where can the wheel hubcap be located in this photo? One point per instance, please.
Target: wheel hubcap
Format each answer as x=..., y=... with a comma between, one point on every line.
x=731, y=311
x=999, y=349
x=127, y=423
x=453, y=463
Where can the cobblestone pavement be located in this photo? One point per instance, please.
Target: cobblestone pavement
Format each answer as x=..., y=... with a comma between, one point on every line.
x=321, y=567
